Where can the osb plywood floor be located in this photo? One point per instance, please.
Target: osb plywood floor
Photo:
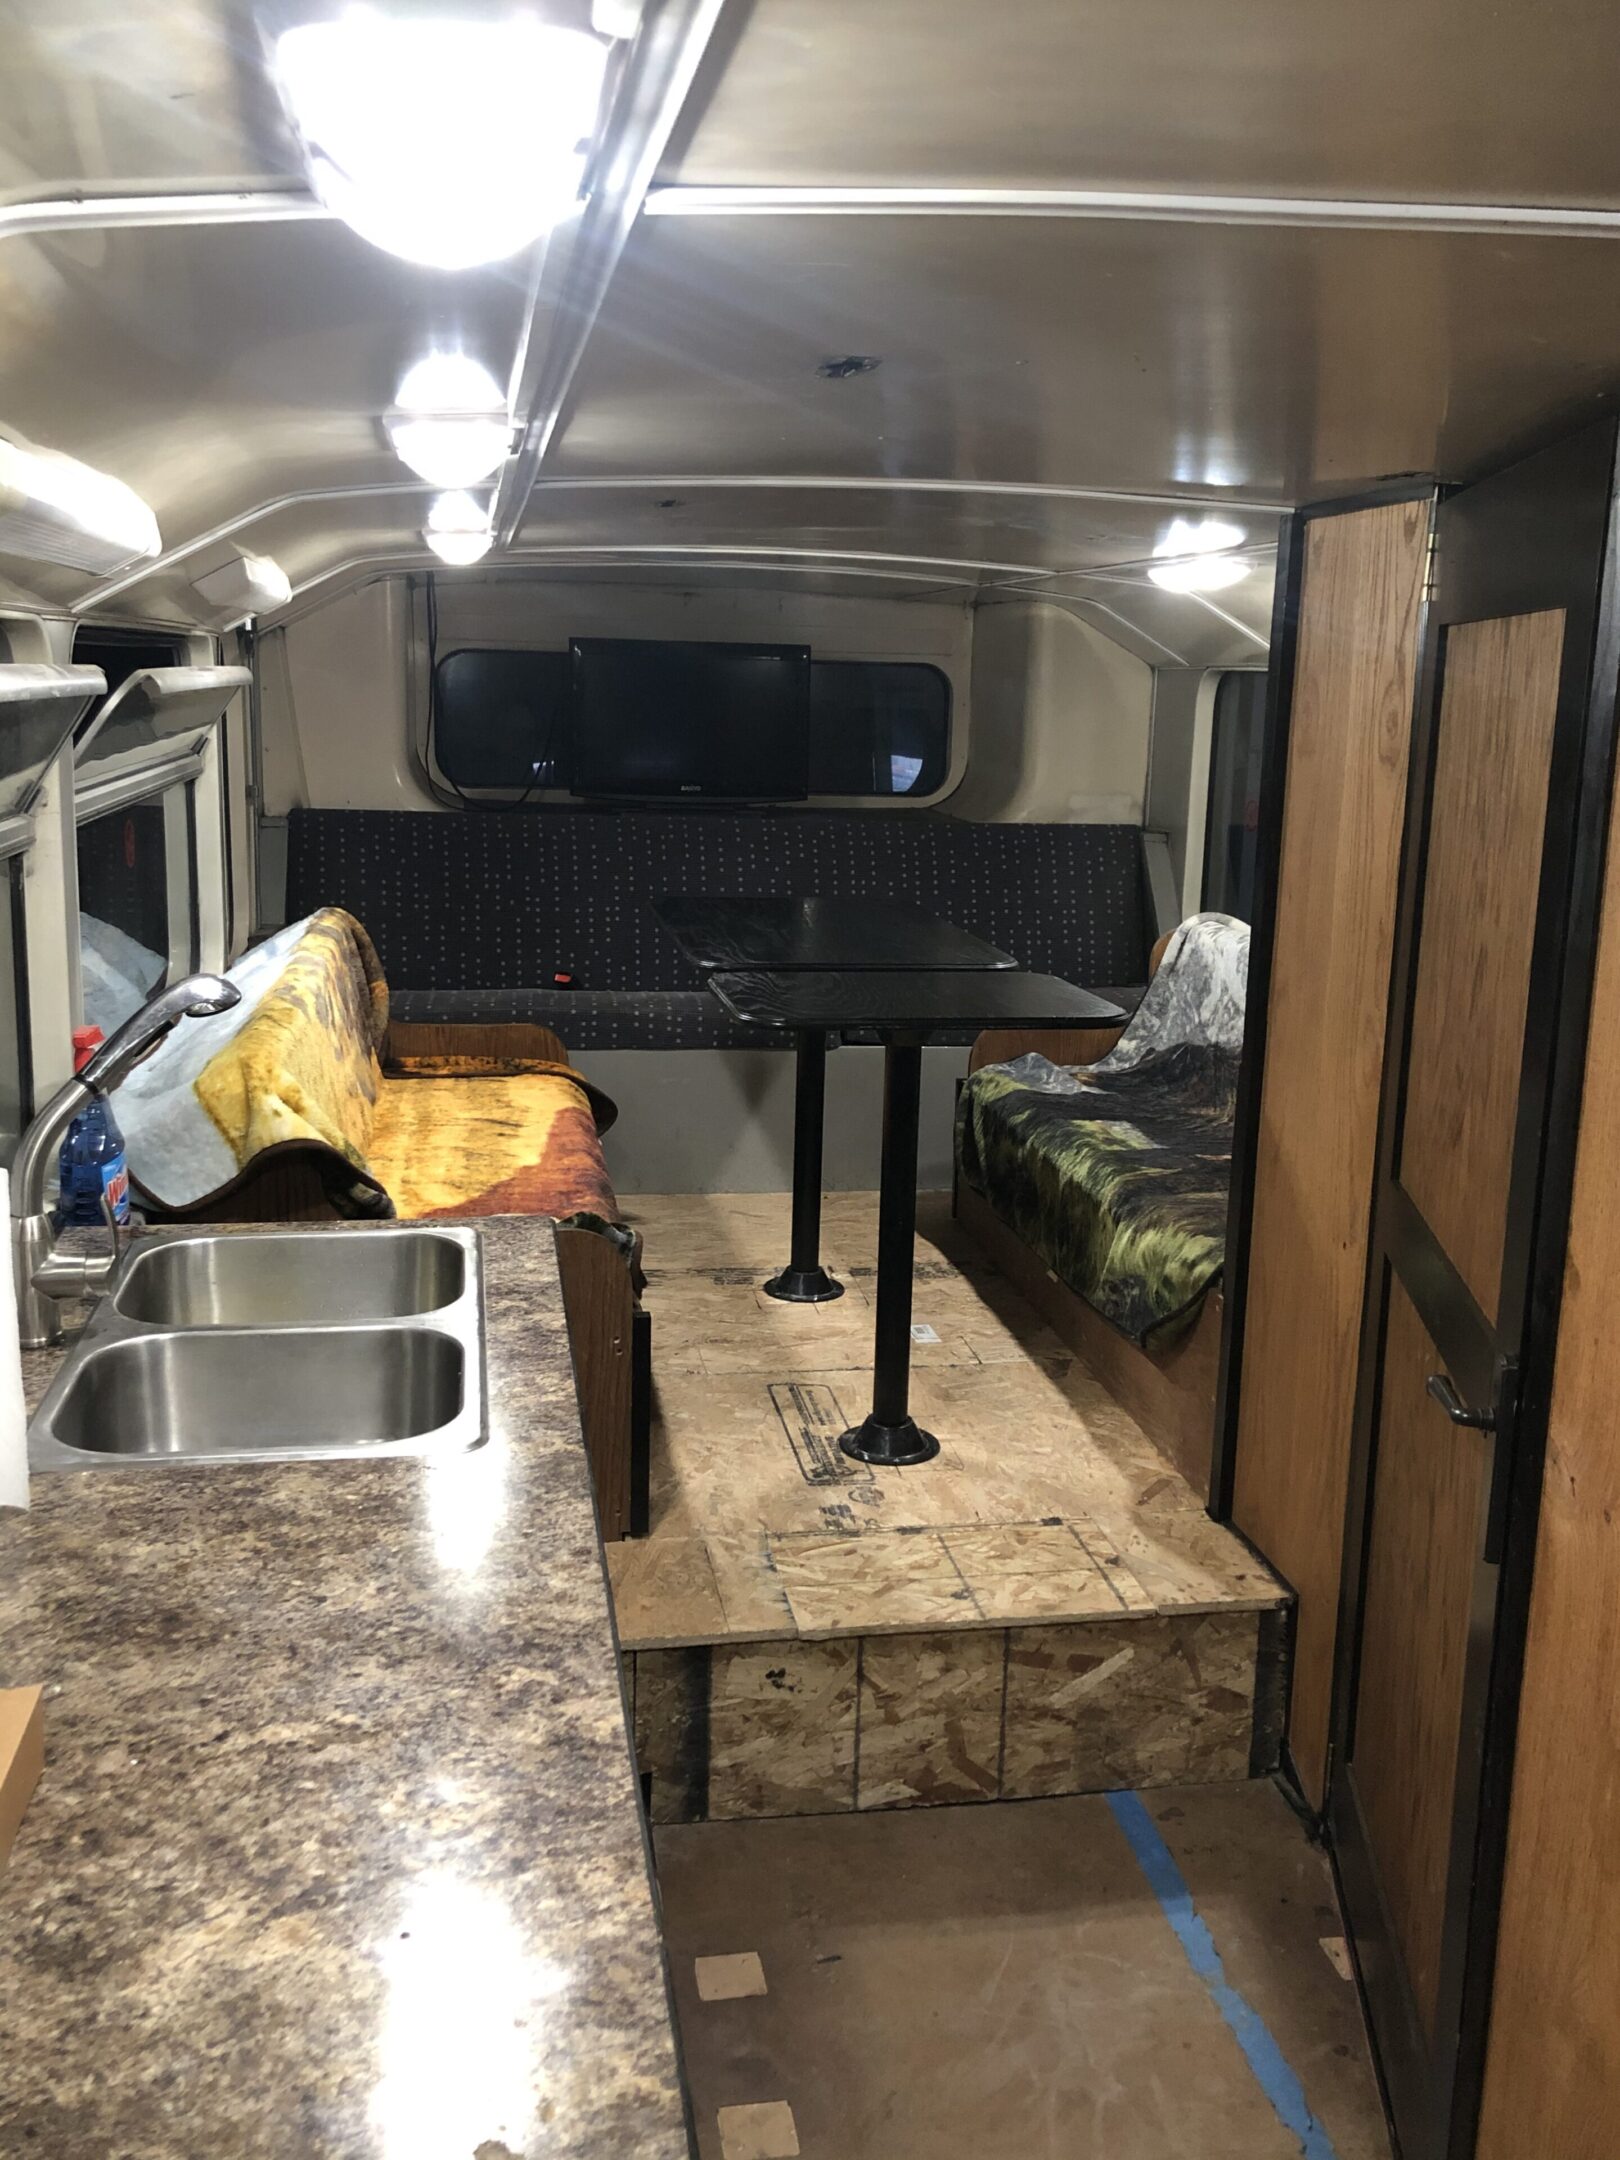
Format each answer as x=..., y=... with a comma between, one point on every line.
x=1005, y=1983
x=1046, y=1502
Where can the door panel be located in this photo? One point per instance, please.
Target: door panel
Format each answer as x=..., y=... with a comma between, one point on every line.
x=1355, y=671
x=1492, y=975
x=1428, y=1508
x=1497, y=710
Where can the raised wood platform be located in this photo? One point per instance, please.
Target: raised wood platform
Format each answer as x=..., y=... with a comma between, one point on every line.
x=1045, y=1608
x=1171, y=1397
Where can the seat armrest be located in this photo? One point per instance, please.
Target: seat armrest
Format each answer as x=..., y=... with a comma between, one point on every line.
x=516, y=1041
x=1064, y=1046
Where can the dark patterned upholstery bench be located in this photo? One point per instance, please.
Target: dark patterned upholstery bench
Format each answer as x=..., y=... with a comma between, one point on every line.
x=475, y=913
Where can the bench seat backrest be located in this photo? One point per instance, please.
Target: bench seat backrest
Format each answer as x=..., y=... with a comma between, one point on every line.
x=497, y=900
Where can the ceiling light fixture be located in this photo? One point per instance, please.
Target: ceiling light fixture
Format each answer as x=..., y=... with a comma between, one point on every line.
x=1198, y=557
x=1200, y=573
x=244, y=585
x=53, y=509
x=447, y=141
x=457, y=529
x=450, y=423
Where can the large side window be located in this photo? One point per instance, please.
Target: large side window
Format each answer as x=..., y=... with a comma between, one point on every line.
x=1231, y=829
x=500, y=720
x=136, y=842
x=878, y=728
x=136, y=916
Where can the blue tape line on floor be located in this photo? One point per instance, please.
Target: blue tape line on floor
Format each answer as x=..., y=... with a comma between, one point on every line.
x=1264, y=2057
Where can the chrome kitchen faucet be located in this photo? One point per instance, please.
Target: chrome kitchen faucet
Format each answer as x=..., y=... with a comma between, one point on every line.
x=45, y=1278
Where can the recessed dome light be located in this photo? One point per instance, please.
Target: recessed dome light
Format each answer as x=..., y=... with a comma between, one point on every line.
x=450, y=423
x=1200, y=573
x=1196, y=556
x=449, y=142
x=457, y=529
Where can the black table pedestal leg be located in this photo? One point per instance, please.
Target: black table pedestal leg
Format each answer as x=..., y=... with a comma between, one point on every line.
x=804, y=1281
x=891, y=1435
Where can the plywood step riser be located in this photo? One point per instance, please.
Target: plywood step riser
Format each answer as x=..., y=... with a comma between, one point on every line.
x=799, y=1727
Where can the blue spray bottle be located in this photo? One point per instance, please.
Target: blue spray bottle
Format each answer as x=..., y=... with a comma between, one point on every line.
x=92, y=1163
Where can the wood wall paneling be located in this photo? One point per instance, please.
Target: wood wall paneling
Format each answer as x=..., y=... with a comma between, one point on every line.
x=1552, y=2081
x=1349, y=733
x=1498, y=702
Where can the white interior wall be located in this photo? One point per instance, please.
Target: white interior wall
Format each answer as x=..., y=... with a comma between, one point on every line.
x=1061, y=721
x=342, y=684
x=1178, y=772
x=722, y=1120
x=1060, y=726
x=333, y=703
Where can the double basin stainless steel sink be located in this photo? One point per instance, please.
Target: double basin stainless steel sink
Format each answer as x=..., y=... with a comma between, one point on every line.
x=274, y=1347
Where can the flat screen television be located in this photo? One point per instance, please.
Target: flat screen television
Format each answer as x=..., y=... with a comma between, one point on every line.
x=718, y=723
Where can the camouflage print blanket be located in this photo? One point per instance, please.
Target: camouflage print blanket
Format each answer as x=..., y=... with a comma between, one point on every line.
x=1116, y=1173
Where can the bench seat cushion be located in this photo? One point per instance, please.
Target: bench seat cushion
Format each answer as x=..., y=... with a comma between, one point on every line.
x=1116, y=1174
x=598, y=1019
x=520, y=1143
x=1119, y=1187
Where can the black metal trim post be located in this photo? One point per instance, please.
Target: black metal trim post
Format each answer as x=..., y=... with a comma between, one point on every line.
x=1251, y=1069
x=891, y=1435
x=804, y=1281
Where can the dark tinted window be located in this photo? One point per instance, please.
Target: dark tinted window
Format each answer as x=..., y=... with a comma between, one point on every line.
x=501, y=720
x=1232, y=829
x=877, y=727
x=120, y=654
x=123, y=910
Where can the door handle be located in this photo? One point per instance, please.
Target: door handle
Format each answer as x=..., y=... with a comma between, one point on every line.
x=1456, y=1409
x=1500, y=1420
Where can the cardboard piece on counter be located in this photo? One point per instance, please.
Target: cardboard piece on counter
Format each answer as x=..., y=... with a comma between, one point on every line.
x=22, y=1757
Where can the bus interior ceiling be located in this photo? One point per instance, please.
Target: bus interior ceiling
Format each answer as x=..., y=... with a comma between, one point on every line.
x=1168, y=453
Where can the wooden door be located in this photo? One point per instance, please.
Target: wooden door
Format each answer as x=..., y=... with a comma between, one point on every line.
x=1344, y=684
x=1469, y=1219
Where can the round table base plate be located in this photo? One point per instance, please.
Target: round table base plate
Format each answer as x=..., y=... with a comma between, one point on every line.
x=803, y=1286
x=893, y=1446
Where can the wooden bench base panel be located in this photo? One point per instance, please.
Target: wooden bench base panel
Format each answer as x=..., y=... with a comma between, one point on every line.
x=1172, y=1398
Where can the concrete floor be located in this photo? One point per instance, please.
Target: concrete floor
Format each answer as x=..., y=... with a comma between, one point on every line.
x=1019, y=1981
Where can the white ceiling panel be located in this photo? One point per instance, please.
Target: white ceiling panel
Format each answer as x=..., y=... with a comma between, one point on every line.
x=109, y=96
x=1429, y=100
x=993, y=533
x=1275, y=364
x=216, y=369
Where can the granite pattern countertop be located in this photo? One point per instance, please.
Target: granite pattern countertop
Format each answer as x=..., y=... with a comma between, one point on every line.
x=337, y=1852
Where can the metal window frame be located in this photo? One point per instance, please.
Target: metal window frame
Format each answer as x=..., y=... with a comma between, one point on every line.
x=421, y=704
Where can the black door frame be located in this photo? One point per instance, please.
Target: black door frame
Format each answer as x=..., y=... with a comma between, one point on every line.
x=1568, y=561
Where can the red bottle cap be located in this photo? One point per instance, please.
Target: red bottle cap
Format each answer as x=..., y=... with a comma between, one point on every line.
x=86, y=1042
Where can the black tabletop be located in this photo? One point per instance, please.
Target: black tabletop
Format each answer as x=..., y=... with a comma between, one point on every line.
x=781, y=932
x=910, y=1001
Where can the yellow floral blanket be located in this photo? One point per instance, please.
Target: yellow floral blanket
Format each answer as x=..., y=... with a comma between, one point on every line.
x=300, y=1060
x=305, y=1066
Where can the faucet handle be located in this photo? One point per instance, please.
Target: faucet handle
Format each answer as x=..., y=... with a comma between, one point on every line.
x=123, y=1233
